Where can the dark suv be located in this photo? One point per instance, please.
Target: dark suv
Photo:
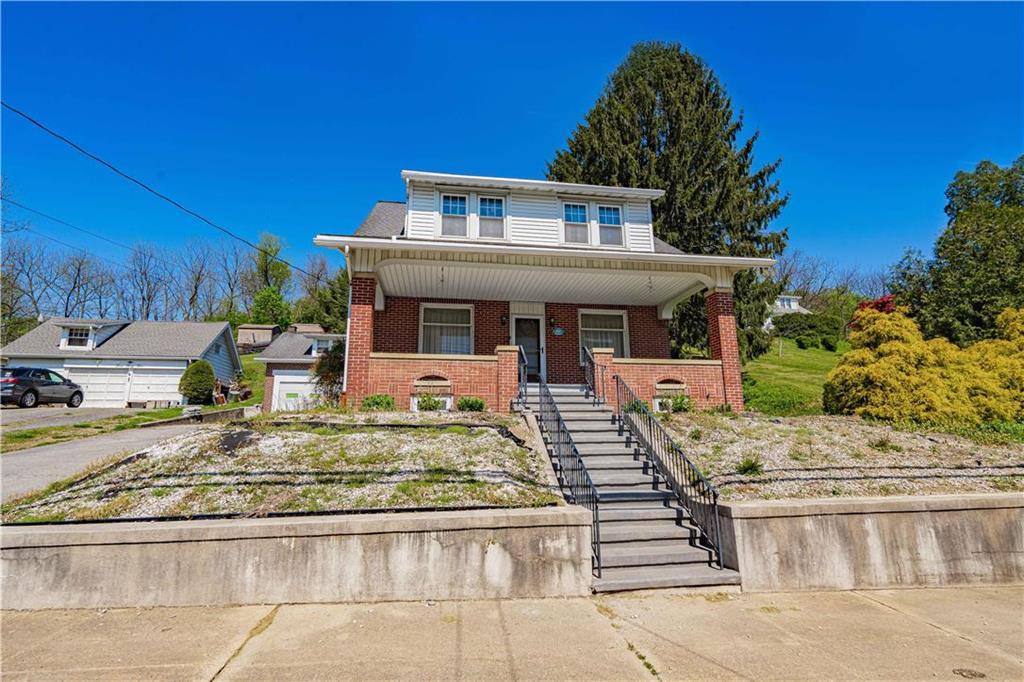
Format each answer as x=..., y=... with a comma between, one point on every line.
x=30, y=386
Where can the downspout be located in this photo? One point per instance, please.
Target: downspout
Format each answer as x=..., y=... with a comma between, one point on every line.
x=348, y=319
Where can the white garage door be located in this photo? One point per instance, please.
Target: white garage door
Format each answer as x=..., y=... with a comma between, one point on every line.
x=293, y=390
x=103, y=386
x=155, y=384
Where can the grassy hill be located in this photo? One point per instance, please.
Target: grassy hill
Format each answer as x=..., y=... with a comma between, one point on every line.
x=788, y=383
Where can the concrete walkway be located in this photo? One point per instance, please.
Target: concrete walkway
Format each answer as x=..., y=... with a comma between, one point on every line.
x=27, y=470
x=946, y=634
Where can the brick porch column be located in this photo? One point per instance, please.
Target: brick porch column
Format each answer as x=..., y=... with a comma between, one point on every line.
x=724, y=343
x=360, y=338
x=508, y=376
x=604, y=372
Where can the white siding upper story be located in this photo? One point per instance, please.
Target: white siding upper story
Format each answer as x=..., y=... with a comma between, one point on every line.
x=611, y=219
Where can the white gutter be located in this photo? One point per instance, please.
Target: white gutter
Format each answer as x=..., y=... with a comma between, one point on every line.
x=345, y=242
x=530, y=185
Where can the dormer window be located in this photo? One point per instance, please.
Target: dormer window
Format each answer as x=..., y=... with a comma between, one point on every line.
x=577, y=227
x=492, y=218
x=78, y=337
x=609, y=224
x=454, y=220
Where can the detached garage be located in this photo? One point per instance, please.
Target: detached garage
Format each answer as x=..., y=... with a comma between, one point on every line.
x=120, y=363
x=289, y=384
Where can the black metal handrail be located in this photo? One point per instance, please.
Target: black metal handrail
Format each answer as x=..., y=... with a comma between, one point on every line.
x=595, y=383
x=695, y=492
x=572, y=472
x=521, y=392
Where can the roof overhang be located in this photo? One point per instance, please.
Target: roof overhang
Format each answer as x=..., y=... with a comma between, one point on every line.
x=346, y=242
x=530, y=185
x=287, y=361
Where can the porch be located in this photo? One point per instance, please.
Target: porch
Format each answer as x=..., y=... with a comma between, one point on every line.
x=456, y=329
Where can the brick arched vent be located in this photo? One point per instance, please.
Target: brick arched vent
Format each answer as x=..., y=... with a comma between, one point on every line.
x=434, y=384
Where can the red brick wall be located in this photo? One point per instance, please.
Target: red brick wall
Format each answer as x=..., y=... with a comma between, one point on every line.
x=725, y=345
x=648, y=338
x=397, y=327
x=360, y=332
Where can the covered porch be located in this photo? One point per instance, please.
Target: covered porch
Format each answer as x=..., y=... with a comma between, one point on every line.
x=429, y=320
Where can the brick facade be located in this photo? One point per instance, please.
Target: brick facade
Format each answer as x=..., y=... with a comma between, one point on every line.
x=725, y=345
x=395, y=330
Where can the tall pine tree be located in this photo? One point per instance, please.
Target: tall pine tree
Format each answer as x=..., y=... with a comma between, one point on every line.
x=665, y=121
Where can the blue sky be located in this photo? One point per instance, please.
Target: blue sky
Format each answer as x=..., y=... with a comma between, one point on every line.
x=295, y=118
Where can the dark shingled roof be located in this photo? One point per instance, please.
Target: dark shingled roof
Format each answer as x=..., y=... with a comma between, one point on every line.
x=387, y=219
x=133, y=340
x=294, y=346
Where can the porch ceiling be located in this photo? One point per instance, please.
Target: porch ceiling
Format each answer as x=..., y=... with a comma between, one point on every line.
x=491, y=281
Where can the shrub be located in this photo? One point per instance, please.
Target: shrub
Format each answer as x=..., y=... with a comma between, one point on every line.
x=469, y=403
x=329, y=374
x=893, y=374
x=426, y=402
x=379, y=402
x=197, y=383
x=830, y=343
x=751, y=465
x=681, y=403
x=807, y=341
x=795, y=325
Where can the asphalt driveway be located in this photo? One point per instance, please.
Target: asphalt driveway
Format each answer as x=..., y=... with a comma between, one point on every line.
x=27, y=470
x=15, y=418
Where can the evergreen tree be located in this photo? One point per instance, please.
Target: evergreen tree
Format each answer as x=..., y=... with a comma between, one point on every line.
x=265, y=270
x=665, y=121
x=326, y=305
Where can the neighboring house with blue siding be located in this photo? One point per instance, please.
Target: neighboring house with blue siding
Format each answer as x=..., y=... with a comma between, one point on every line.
x=122, y=363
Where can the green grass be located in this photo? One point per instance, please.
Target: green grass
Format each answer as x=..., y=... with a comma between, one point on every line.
x=790, y=383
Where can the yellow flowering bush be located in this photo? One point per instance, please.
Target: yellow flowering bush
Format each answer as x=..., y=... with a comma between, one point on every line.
x=893, y=373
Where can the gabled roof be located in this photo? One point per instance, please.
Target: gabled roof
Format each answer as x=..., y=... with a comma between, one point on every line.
x=387, y=219
x=531, y=185
x=258, y=326
x=294, y=347
x=134, y=340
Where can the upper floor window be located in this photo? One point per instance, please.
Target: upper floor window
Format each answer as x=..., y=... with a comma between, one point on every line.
x=78, y=337
x=453, y=215
x=492, y=218
x=609, y=223
x=577, y=227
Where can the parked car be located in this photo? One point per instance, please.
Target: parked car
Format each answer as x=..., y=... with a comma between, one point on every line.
x=30, y=386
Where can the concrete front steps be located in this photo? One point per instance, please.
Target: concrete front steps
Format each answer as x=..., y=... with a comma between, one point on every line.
x=647, y=540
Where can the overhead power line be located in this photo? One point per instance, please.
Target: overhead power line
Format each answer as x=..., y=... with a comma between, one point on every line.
x=152, y=191
x=67, y=224
x=72, y=246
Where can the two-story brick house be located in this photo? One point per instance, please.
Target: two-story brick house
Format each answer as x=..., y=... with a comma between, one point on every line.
x=447, y=286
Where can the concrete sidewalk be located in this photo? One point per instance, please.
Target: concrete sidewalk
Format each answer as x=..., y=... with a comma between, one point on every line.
x=27, y=470
x=950, y=634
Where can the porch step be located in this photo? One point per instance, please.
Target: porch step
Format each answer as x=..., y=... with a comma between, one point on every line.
x=651, y=577
x=605, y=479
x=635, y=531
x=650, y=554
x=604, y=449
x=580, y=426
x=612, y=513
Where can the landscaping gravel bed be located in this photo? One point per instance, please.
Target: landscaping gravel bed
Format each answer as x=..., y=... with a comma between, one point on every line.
x=756, y=457
x=260, y=468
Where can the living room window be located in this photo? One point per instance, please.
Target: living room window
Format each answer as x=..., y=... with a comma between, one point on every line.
x=577, y=227
x=78, y=337
x=492, y=218
x=446, y=329
x=609, y=225
x=454, y=215
x=604, y=329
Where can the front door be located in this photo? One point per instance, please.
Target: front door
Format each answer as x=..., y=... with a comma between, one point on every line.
x=526, y=333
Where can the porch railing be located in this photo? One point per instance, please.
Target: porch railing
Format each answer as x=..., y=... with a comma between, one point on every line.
x=521, y=393
x=572, y=472
x=593, y=378
x=695, y=492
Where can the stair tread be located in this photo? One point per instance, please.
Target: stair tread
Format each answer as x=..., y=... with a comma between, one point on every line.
x=617, y=579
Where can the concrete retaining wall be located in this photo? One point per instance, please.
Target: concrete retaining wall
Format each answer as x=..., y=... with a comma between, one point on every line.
x=876, y=542
x=372, y=557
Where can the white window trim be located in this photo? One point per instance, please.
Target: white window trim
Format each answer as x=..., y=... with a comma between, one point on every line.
x=472, y=324
x=504, y=218
x=593, y=227
x=90, y=341
x=562, y=223
x=621, y=226
x=601, y=311
x=439, y=232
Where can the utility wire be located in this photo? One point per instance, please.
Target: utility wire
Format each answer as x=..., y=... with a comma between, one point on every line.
x=66, y=224
x=71, y=246
x=152, y=191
